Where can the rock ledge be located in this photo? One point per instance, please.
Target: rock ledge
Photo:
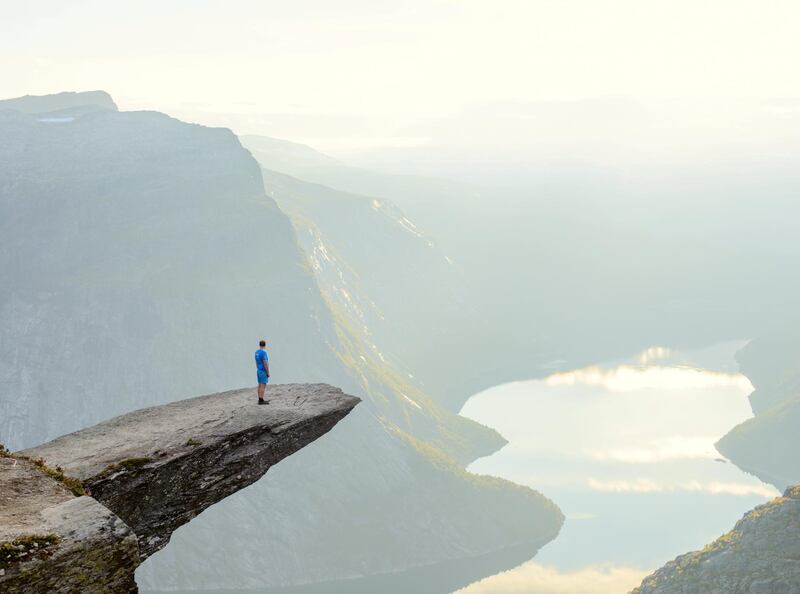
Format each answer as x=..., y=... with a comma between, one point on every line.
x=149, y=472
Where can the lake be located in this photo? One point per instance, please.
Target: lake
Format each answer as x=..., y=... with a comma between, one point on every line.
x=626, y=449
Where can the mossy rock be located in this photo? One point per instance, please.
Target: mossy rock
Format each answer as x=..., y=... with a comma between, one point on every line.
x=25, y=548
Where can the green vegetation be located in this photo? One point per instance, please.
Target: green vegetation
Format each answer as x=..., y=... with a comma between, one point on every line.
x=444, y=441
x=445, y=464
x=133, y=463
x=193, y=442
x=57, y=473
x=765, y=445
x=402, y=403
x=129, y=465
x=28, y=547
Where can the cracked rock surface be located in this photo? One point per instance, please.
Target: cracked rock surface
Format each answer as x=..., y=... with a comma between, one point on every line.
x=95, y=552
x=149, y=472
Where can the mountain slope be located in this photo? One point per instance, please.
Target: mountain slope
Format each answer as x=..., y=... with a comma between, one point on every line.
x=766, y=445
x=140, y=262
x=453, y=341
x=403, y=300
x=572, y=261
x=60, y=102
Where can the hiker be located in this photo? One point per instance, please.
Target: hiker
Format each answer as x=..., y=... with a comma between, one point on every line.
x=262, y=370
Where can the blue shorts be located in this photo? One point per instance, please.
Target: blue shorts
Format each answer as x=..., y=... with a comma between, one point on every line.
x=263, y=378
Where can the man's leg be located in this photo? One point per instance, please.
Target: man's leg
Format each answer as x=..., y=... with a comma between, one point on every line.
x=261, y=388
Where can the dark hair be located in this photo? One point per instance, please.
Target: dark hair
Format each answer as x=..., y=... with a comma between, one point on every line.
x=262, y=343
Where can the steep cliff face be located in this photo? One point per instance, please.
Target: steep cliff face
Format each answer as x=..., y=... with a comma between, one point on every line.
x=761, y=555
x=152, y=470
x=147, y=260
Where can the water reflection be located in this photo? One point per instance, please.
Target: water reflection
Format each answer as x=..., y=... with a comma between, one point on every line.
x=534, y=578
x=441, y=578
x=627, y=451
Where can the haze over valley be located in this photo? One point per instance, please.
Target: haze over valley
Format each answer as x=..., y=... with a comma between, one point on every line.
x=549, y=246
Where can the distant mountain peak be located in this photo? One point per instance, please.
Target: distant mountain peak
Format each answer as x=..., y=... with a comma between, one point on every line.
x=68, y=101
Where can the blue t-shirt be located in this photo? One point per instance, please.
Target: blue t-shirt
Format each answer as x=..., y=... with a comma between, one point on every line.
x=261, y=358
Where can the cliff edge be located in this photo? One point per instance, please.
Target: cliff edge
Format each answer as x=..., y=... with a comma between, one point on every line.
x=148, y=472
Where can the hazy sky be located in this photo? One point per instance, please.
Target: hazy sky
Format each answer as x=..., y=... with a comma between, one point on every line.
x=375, y=68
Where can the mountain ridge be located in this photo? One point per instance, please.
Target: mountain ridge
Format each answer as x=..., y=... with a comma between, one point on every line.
x=60, y=102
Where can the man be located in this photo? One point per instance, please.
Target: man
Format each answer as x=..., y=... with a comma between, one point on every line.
x=262, y=370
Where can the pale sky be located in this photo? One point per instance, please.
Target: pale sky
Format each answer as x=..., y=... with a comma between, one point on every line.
x=374, y=68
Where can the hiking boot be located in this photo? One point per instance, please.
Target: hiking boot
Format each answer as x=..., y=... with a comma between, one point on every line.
x=262, y=401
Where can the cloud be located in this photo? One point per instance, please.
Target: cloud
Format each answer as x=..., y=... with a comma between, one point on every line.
x=643, y=485
x=629, y=378
x=533, y=578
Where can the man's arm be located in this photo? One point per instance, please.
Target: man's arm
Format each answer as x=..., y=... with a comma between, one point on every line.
x=266, y=367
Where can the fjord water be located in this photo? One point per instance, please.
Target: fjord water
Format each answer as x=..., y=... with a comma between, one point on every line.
x=626, y=449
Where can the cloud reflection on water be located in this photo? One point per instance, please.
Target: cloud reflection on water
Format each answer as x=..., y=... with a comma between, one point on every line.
x=712, y=488
x=629, y=378
x=535, y=578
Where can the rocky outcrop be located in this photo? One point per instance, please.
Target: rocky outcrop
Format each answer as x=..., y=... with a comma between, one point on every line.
x=148, y=472
x=52, y=541
x=761, y=555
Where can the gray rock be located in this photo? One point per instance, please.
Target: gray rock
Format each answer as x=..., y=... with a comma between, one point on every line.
x=149, y=472
x=96, y=550
x=759, y=556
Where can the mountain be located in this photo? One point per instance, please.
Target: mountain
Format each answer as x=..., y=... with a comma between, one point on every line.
x=141, y=261
x=453, y=342
x=418, y=195
x=568, y=261
x=67, y=102
x=766, y=445
x=375, y=267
